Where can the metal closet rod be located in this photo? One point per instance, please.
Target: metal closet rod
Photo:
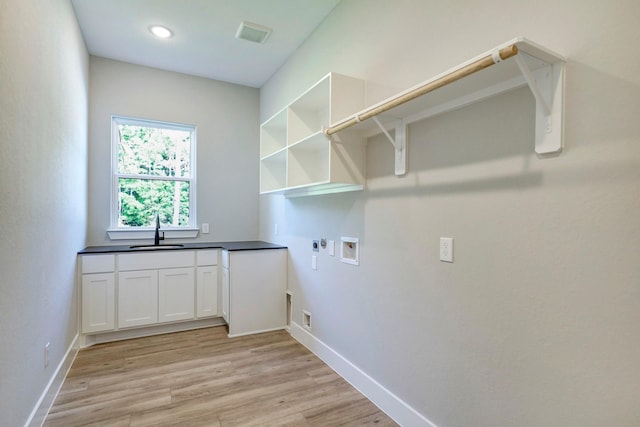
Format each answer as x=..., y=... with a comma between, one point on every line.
x=480, y=64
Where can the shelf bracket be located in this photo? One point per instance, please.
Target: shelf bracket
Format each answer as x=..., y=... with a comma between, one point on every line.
x=547, y=86
x=399, y=142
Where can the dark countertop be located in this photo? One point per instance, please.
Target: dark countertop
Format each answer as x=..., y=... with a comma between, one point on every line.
x=251, y=245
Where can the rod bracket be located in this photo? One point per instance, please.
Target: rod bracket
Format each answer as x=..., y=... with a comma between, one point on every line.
x=547, y=86
x=399, y=142
x=495, y=55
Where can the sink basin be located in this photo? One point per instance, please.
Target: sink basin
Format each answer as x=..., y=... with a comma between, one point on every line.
x=155, y=247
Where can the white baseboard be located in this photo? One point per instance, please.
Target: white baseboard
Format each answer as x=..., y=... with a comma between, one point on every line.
x=40, y=411
x=388, y=402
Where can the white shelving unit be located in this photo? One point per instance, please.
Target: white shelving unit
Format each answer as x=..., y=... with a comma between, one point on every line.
x=297, y=158
x=513, y=64
x=273, y=172
x=273, y=134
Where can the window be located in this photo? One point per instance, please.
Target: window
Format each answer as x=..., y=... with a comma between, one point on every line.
x=153, y=168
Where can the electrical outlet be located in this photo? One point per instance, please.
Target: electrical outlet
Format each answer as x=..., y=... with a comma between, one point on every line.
x=314, y=262
x=275, y=229
x=47, y=346
x=446, y=249
x=205, y=228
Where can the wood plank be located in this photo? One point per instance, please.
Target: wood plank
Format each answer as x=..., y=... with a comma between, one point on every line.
x=204, y=378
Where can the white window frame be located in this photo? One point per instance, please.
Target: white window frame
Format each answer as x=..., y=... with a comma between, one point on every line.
x=121, y=233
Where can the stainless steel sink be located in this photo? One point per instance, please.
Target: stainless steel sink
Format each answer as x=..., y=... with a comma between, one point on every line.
x=155, y=247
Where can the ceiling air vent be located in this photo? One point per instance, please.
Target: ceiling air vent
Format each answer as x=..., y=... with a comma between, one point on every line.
x=253, y=32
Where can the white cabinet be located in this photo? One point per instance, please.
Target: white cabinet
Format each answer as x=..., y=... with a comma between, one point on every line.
x=155, y=287
x=98, y=289
x=297, y=158
x=176, y=294
x=137, y=298
x=207, y=290
x=141, y=289
x=256, y=282
x=137, y=289
x=146, y=297
x=98, y=303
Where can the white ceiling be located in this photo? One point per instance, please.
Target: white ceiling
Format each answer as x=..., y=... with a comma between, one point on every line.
x=204, y=42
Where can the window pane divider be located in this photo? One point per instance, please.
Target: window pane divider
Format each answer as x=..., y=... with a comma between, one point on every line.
x=154, y=177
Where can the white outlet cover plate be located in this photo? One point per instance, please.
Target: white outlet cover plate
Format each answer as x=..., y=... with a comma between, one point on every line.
x=446, y=249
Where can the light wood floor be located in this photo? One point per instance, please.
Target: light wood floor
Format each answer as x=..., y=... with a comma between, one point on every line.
x=203, y=378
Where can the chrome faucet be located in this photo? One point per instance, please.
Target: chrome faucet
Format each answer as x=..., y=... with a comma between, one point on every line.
x=157, y=237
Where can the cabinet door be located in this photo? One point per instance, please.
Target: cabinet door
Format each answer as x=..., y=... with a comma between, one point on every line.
x=98, y=302
x=137, y=298
x=225, y=294
x=176, y=294
x=207, y=291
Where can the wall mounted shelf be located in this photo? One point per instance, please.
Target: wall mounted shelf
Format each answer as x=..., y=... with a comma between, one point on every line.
x=296, y=156
x=515, y=63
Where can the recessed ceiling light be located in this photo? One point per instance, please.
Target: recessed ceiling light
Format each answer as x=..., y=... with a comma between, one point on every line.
x=160, y=31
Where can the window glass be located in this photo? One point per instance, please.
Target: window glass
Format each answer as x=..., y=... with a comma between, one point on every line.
x=153, y=173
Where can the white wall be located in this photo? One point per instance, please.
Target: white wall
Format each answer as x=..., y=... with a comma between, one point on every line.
x=226, y=116
x=536, y=321
x=43, y=194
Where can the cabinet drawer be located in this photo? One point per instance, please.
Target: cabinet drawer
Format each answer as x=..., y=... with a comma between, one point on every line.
x=98, y=263
x=158, y=259
x=209, y=257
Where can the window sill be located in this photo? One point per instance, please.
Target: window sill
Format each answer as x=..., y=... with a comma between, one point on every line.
x=120, y=234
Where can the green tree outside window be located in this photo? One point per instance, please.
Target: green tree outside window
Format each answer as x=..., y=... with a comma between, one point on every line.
x=153, y=173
